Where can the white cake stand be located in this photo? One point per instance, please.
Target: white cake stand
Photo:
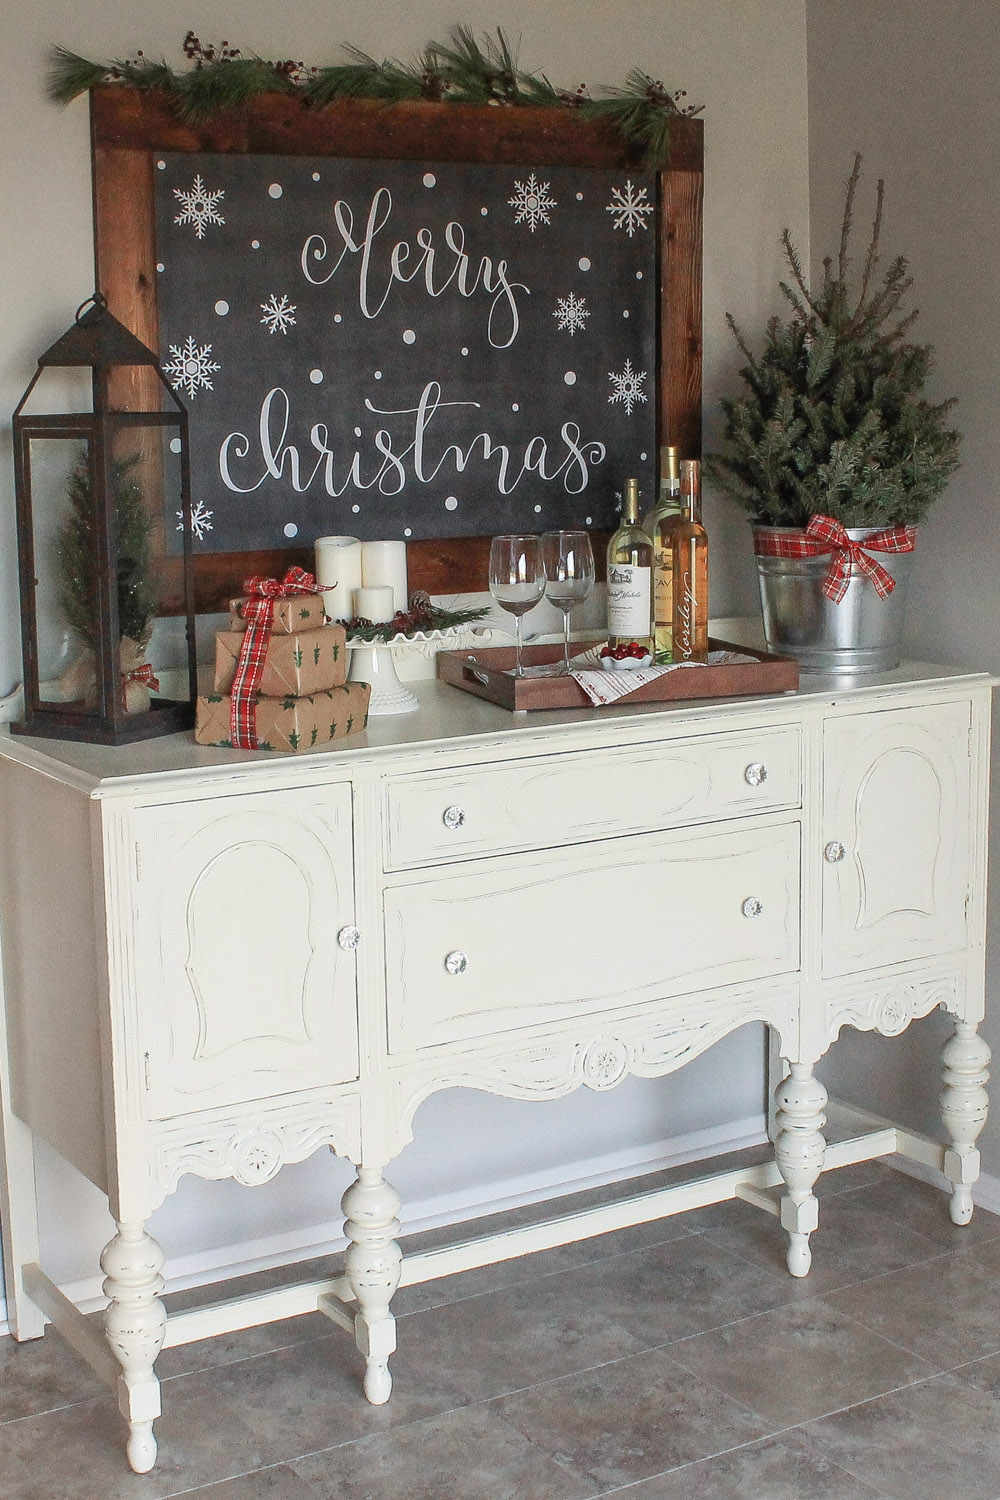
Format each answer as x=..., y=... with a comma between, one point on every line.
x=374, y=662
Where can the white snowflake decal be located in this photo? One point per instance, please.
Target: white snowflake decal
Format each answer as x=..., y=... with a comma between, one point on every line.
x=190, y=367
x=628, y=386
x=199, y=206
x=201, y=520
x=629, y=206
x=572, y=314
x=532, y=203
x=278, y=315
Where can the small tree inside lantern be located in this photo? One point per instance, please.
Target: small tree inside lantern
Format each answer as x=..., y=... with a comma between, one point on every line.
x=104, y=541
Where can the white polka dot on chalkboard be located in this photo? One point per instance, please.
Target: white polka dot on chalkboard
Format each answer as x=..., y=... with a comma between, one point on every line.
x=584, y=262
x=378, y=374
x=625, y=313
x=429, y=179
x=175, y=445
x=275, y=190
x=451, y=503
x=642, y=457
x=316, y=376
x=570, y=377
x=255, y=244
x=590, y=520
x=291, y=529
x=538, y=510
x=409, y=336
x=315, y=177
x=338, y=317
x=222, y=307
x=579, y=197
x=514, y=406
x=407, y=531
x=356, y=509
x=357, y=432
x=465, y=351
x=160, y=266
x=638, y=275
x=162, y=165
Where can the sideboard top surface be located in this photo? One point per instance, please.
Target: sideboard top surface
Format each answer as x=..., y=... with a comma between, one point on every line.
x=449, y=719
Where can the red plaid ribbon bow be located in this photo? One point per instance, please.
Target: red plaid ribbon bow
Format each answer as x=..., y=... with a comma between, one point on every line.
x=258, y=611
x=139, y=674
x=823, y=535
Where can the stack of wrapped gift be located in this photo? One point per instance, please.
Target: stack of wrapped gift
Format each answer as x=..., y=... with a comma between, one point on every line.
x=280, y=673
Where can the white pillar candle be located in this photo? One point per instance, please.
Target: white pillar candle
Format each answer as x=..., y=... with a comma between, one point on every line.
x=338, y=569
x=384, y=564
x=373, y=604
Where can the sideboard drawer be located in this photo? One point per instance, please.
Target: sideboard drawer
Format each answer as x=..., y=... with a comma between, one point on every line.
x=541, y=938
x=567, y=799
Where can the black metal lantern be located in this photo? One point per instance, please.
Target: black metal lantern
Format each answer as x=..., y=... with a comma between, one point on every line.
x=104, y=542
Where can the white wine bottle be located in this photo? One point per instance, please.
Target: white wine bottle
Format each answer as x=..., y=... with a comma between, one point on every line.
x=630, y=581
x=659, y=526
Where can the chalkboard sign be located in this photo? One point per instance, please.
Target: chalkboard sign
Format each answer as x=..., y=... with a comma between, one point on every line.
x=416, y=349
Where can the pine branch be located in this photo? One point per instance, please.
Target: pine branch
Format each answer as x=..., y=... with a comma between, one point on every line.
x=461, y=70
x=848, y=219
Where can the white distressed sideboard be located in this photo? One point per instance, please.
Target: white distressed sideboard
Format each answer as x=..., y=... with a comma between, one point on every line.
x=217, y=963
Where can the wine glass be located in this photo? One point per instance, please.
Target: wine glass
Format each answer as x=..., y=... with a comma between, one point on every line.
x=517, y=579
x=569, y=575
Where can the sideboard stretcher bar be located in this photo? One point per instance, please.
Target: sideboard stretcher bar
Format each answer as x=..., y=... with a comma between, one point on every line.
x=416, y=911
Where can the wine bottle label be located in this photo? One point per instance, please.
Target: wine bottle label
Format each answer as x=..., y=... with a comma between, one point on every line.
x=663, y=585
x=629, y=594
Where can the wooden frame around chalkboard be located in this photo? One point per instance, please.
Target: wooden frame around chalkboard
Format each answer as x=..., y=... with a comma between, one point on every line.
x=129, y=126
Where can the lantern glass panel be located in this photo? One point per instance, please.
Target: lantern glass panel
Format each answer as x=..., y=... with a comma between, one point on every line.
x=144, y=462
x=65, y=570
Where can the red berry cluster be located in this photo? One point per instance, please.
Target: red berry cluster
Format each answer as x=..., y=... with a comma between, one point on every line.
x=622, y=653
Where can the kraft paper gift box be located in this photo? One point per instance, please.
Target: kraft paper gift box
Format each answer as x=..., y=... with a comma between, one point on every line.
x=289, y=723
x=309, y=661
x=300, y=612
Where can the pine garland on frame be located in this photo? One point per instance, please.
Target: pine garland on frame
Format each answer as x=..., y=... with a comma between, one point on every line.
x=459, y=71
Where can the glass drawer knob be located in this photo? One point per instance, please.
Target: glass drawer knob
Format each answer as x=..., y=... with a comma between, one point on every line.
x=755, y=773
x=456, y=963
x=834, y=852
x=752, y=907
x=453, y=817
x=349, y=938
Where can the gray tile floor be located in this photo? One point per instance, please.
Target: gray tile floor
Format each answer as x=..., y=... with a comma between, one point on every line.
x=677, y=1360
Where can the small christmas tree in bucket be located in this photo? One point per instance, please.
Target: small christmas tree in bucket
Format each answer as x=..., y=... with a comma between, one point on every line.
x=837, y=455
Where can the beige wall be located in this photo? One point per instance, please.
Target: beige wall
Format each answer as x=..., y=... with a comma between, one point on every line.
x=745, y=60
x=915, y=85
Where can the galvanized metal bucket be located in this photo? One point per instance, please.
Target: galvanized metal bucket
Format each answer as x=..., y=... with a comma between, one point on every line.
x=861, y=633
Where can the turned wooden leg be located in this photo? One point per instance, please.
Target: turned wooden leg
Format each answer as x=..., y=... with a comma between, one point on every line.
x=373, y=1263
x=964, y=1104
x=135, y=1323
x=799, y=1149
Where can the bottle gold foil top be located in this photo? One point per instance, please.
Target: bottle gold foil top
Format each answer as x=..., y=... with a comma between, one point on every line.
x=630, y=502
x=670, y=466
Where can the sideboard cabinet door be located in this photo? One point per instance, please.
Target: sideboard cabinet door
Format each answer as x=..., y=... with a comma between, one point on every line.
x=244, y=991
x=896, y=838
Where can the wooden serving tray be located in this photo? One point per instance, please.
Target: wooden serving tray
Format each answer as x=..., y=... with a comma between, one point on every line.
x=488, y=674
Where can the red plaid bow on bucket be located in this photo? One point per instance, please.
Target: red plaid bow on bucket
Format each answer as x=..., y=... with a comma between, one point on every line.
x=258, y=611
x=825, y=535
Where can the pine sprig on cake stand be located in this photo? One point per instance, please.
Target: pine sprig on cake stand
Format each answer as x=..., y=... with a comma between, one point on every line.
x=421, y=619
x=461, y=70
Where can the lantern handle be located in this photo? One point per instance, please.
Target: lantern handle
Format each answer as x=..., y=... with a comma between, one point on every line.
x=98, y=299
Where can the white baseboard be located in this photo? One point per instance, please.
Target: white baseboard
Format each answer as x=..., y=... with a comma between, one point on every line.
x=262, y=1254
x=985, y=1192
